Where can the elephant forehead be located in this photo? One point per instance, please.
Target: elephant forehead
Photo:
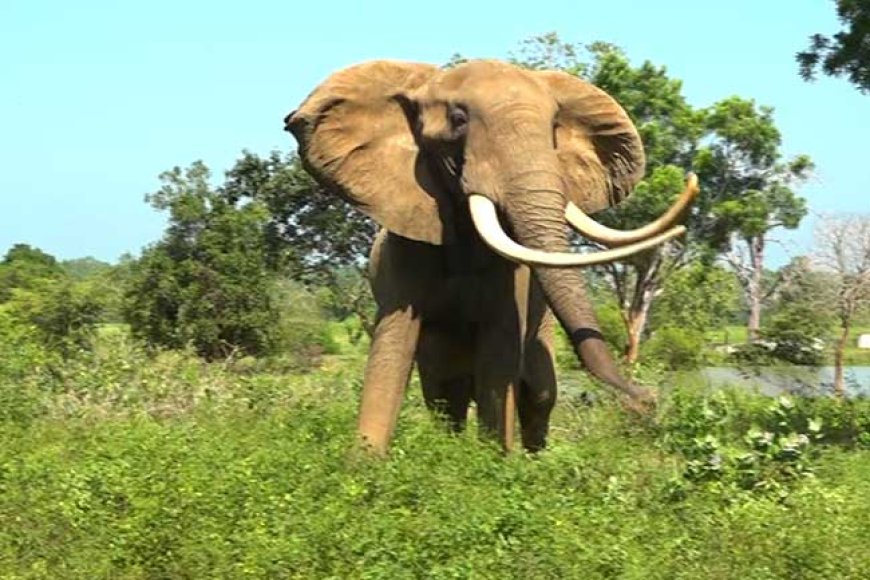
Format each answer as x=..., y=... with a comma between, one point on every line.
x=485, y=80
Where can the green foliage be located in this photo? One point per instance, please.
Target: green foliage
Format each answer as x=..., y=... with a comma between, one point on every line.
x=799, y=319
x=799, y=333
x=24, y=266
x=612, y=326
x=206, y=282
x=733, y=449
x=45, y=304
x=698, y=297
x=752, y=191
x=311, y=235
x=302, y=333
x=846, y=53
x=309, y=231
x=63, y=314
x=85, y=268
x=133, y=466
x=676, y=347
x=750, y=187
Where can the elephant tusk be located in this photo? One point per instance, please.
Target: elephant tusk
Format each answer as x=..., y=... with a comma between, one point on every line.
x=596, y=232
x=485, y=218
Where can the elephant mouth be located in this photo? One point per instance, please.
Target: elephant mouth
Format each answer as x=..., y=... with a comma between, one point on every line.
x=621, y=243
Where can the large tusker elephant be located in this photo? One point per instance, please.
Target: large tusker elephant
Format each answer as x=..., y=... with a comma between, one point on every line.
x=474, y=172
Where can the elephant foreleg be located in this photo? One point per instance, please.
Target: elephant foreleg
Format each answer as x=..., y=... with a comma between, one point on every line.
x=537, y=395
x=499, y=355
x=389, y=366
x=444, y=363
x=537, y=392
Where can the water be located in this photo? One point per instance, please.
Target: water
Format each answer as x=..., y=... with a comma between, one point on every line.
x=798, y=380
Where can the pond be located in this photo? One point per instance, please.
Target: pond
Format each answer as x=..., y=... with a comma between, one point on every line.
x=792, y=379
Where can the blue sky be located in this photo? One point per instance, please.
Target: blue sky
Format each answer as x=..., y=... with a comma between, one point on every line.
x=99, y=97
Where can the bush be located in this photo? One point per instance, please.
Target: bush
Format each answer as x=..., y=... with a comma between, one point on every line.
x=228, y=491
x=737, y=448
x=798, y=335
x=140, y=466
x=754, y=354
x=303, y=334
x=676, y=348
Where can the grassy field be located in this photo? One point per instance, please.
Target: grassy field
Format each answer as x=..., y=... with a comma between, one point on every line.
x=125, y=466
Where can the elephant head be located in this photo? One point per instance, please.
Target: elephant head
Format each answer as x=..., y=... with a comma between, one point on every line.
x=419, y=149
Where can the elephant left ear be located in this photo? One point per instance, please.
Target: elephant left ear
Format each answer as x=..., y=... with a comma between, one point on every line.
x=599, y=149
x=356, y=137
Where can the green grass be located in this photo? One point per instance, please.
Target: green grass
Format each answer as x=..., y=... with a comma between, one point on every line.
x=126, y=466
x=854, y=355
x=732, y=334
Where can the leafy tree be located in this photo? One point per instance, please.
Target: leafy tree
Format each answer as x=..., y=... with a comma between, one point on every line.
x=206, y=282
x=23, y=266
x=85, y=268
x=62, y=313
x=846, y=53
x=699, y=297
x=311, y=235
x=36, y=294
x=751, y=189
x=798, y=323
x=310, y=232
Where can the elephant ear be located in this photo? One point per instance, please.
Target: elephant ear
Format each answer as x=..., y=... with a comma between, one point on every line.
x=599, y=149
x=356, y=138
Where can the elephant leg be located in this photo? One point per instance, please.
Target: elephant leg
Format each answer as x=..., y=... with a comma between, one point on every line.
x=499, y=355
x=387, y=371
x=444, y=365
x=537, y=393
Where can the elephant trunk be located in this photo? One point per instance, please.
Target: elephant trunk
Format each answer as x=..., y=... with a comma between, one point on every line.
x=537, y=220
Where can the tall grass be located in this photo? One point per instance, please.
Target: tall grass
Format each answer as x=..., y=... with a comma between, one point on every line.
x=126, y=465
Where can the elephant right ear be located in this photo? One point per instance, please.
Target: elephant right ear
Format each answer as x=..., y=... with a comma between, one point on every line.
x=356, y=138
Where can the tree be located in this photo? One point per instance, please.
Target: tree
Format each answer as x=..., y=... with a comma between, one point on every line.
x=206, y=282
x=24, y=266
x=699, y=297
x=843, y=253
x=798, y=321
x=309, y=231
x=85, y=268
x=846, y=53
x=311, y=235
x=59, y=312
x=751, y=191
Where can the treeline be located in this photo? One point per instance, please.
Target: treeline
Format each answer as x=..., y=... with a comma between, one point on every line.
x=256, y=265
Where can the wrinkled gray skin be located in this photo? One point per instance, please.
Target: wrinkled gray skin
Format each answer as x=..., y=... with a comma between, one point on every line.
x=407, y=144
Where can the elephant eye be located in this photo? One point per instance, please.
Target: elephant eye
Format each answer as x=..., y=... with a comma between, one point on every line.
x=458, y=117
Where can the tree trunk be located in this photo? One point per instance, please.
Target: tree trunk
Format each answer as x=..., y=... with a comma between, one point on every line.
x=839, y=387
x=638, y=314
x=754, y=290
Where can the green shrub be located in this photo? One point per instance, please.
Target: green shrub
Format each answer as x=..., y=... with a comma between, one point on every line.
x=612, y=326
x=798, y=334
x=675, y=347
x=142, y=466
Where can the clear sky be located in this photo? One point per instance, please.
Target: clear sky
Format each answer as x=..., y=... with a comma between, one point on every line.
x=98, y=97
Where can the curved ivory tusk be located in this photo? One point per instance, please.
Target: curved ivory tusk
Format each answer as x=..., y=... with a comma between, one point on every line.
x=596, y=232
x=485, y=219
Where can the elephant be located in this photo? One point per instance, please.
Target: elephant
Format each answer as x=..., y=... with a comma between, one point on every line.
x=474, y=174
